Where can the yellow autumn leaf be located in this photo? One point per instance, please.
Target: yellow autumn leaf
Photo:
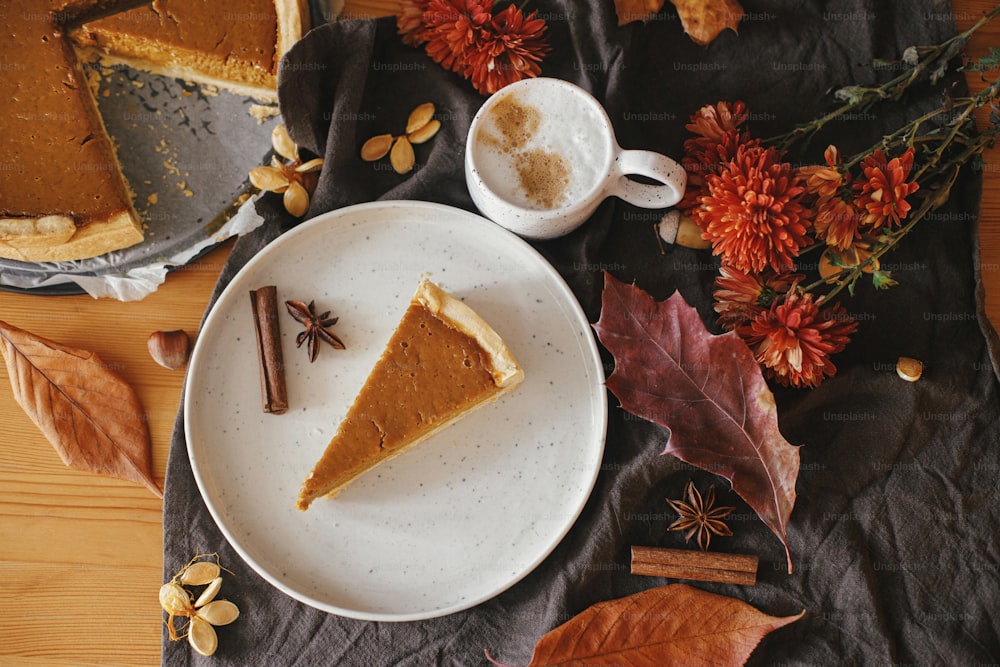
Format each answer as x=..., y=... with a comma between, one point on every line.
x=703, y=20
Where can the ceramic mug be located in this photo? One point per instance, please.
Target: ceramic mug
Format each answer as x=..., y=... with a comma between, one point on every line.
x=541, y=155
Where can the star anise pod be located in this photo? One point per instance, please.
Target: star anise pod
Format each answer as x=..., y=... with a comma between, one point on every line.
x=698, y=515
x=315, y=327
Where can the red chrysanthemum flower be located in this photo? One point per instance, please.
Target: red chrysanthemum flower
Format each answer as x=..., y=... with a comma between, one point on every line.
x=717, y=137
x=507, y=49
x=451, y=29
x=752, y=213
x=740, y=296
x=794, y=339
x=410, y=21
x=881, y=197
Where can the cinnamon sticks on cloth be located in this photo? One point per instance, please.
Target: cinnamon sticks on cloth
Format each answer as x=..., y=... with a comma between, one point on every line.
x=893, y=528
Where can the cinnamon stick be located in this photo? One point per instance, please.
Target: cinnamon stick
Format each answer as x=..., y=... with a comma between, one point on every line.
x=274, y=394
x=695, y=565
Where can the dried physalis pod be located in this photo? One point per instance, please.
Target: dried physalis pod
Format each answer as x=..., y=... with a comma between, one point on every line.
x=909, y=369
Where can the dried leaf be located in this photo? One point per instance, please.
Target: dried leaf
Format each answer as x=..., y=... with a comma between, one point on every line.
x=668, y=625
x=707, y=390
x=90, y=415
x=636, y=10
x=703, y=20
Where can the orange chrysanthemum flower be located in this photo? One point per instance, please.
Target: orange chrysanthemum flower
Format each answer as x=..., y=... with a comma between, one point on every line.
x=794, y=339
x=451, y=28
x=508, y=49
x=752, y=213
x=740, y=296
x=881, y=197
x=718, y=136
x=410, y=21
x=825, y=181
x=836, y=222
x=465, y=37
x=714, y=122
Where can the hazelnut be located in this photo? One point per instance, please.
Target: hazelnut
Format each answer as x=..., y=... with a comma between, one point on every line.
x=909, y=369
x=169, y=349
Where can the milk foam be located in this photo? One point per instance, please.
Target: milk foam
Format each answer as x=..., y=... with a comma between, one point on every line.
x=557, y=164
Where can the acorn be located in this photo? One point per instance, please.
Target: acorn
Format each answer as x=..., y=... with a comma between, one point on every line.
x=678, y=229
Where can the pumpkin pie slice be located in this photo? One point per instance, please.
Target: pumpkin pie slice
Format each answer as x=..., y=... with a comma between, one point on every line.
x=442, y=362
x=233, y=44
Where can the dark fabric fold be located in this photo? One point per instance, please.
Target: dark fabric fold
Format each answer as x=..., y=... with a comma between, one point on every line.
x=892, y=534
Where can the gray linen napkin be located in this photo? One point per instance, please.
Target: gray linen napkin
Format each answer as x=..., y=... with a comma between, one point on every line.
x=892, y=531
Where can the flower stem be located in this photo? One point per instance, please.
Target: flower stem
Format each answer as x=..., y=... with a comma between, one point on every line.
x=862, y=97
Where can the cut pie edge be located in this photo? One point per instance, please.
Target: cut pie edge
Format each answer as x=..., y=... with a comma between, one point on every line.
x=56, y=238
x=507, y=375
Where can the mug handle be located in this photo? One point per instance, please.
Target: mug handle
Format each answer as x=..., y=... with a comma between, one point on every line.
x=652, y=165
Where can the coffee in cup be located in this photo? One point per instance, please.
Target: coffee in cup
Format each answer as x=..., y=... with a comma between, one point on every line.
x=541, y=155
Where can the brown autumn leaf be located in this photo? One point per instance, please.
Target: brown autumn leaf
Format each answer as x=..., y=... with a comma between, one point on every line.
x=90, y=415
x=636, y=10
x=703, y=20
x=708, y=390
x=669, y=625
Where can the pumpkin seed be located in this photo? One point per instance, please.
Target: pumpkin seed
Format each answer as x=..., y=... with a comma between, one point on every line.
x=200, y=573
x=419, y=117
x=283, y=144
x=424, y=133
x=219, y=612
x=202, y=637
x=402, y=157
x=376, y=148
x=209, y=593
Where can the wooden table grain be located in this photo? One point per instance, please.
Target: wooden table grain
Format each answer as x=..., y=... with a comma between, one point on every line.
x=81, y=555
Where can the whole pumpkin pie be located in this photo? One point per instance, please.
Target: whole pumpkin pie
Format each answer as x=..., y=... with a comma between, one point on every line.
x=62, y=193
x=442, y=362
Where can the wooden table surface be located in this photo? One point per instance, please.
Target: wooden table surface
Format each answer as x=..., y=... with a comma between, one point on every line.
x=81, y=555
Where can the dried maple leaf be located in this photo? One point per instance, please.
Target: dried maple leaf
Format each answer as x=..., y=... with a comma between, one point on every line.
x=636, y=10
x=703, y=20
x=707, y=390
x=668, y=625
x=90, y=415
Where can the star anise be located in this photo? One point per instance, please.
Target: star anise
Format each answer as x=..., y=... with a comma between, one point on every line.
x=698, y=515
x=315, y=327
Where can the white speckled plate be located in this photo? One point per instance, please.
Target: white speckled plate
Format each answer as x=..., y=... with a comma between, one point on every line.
x=454, y=521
